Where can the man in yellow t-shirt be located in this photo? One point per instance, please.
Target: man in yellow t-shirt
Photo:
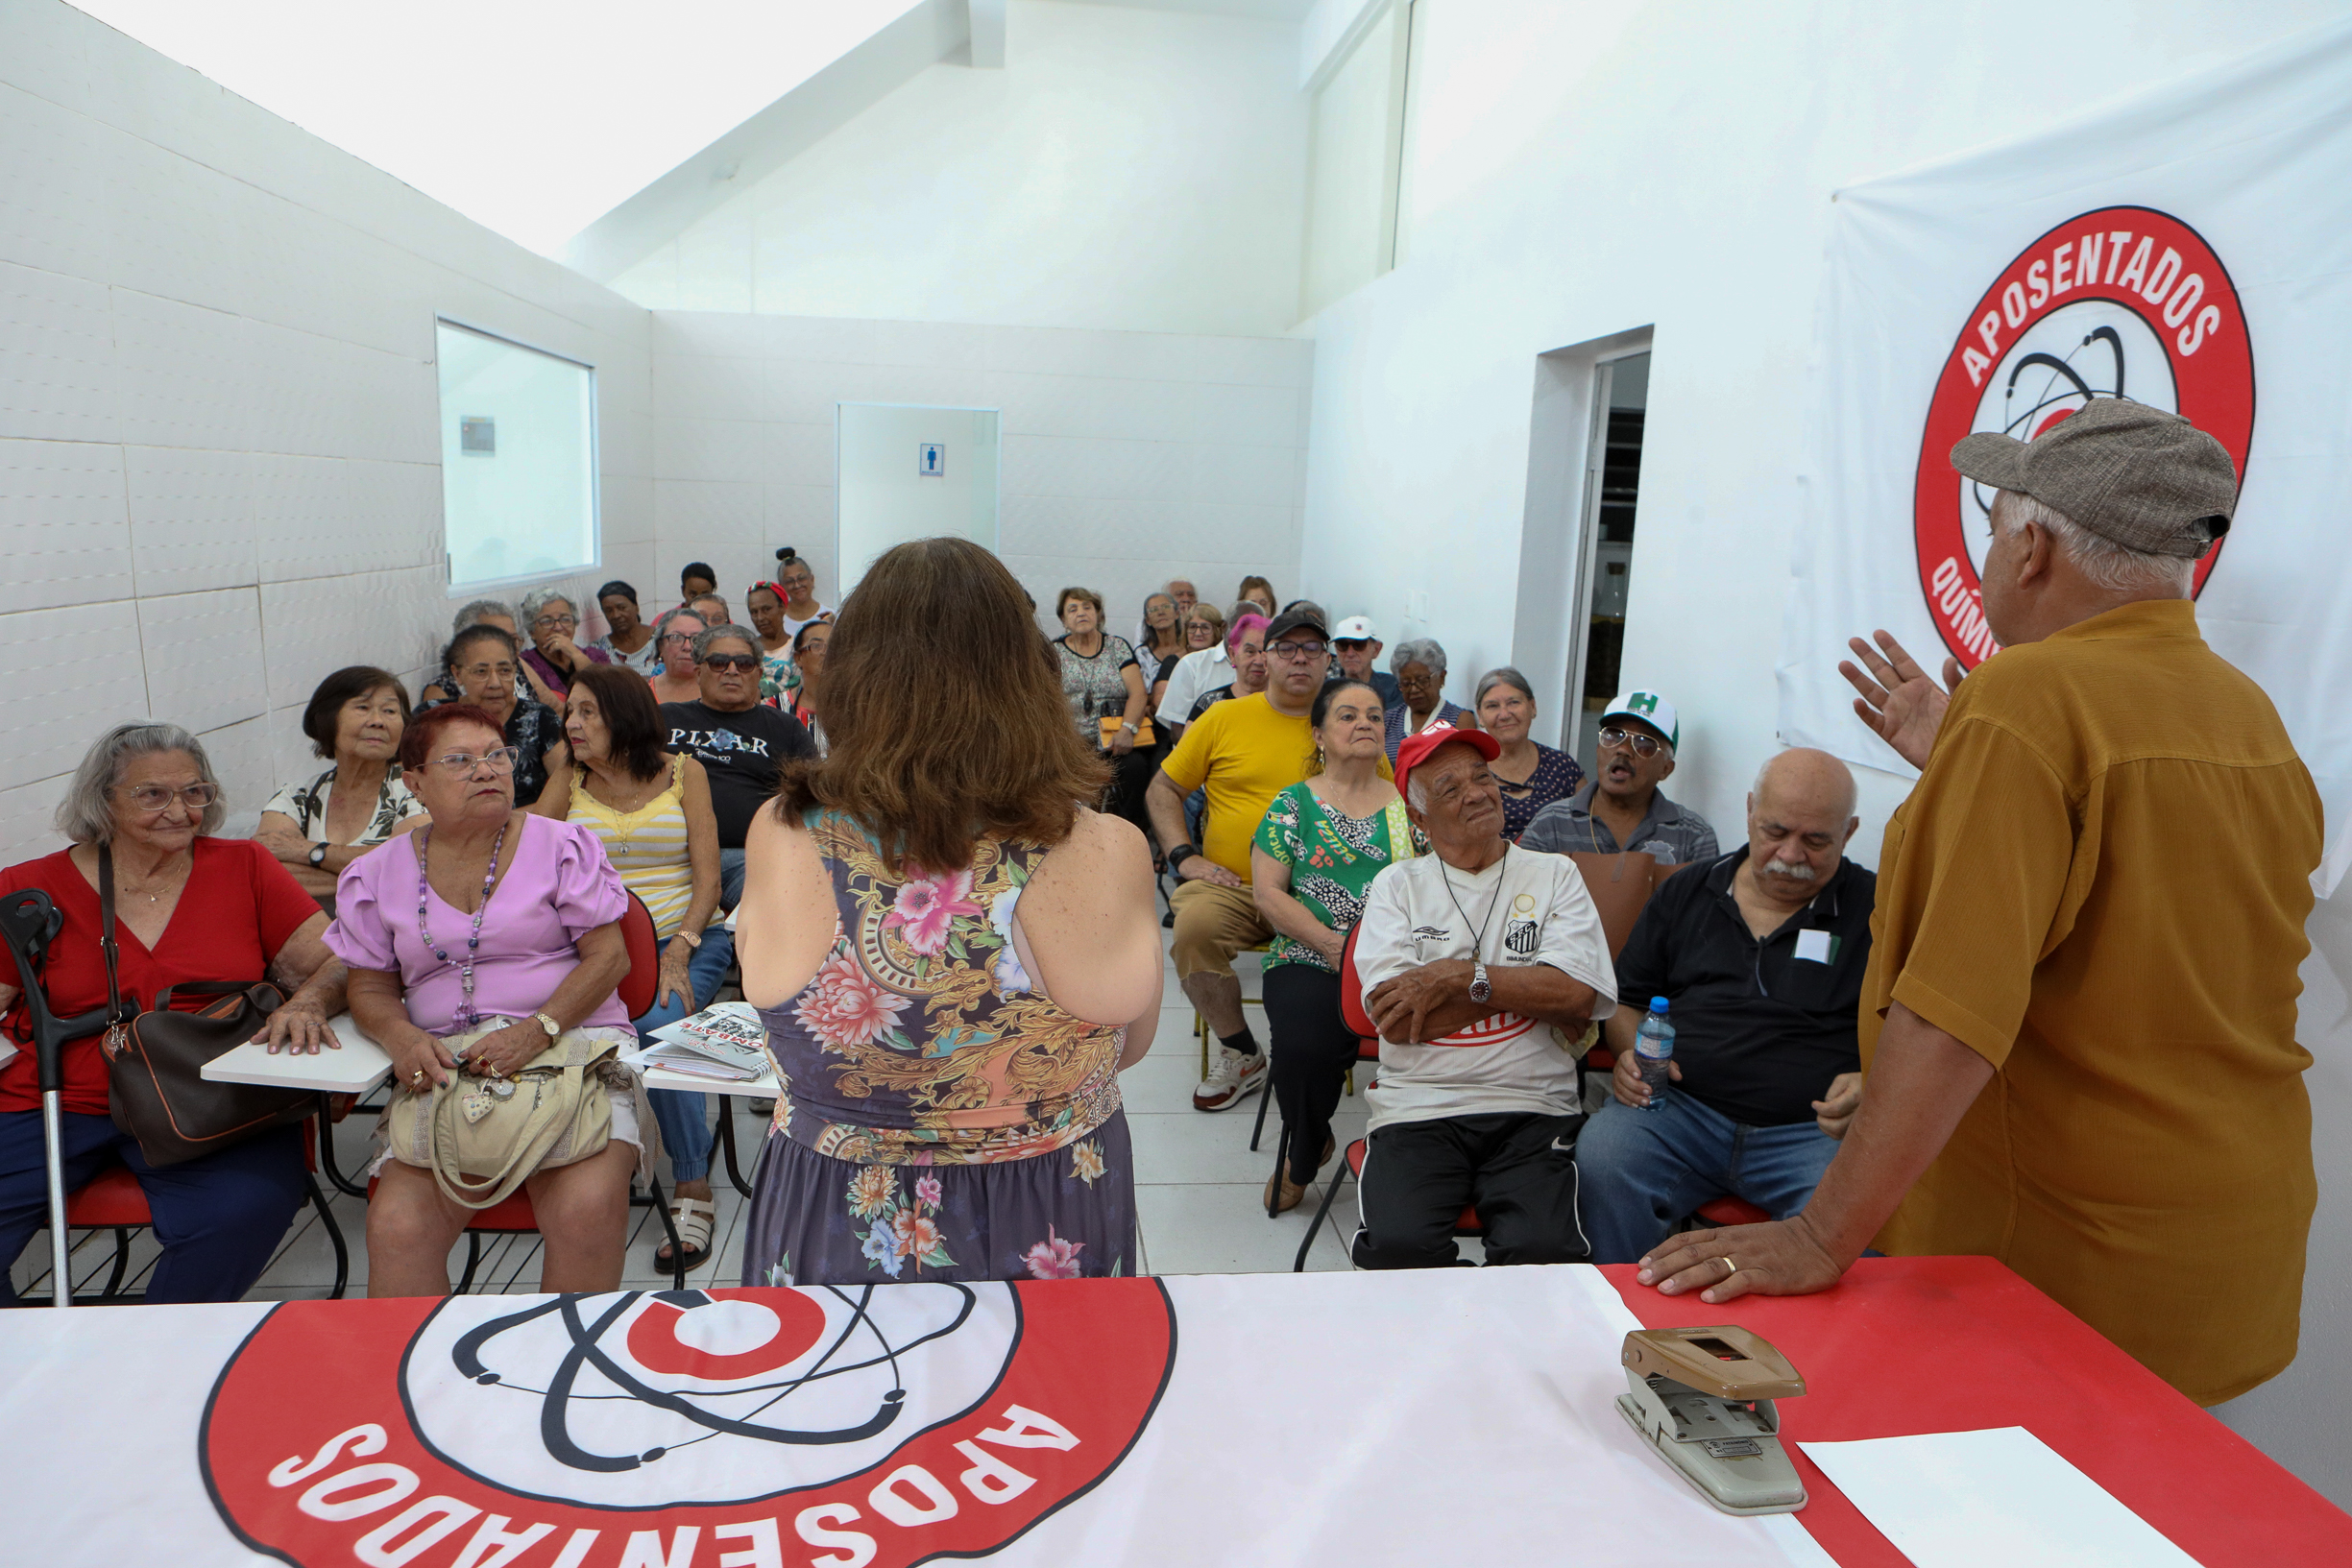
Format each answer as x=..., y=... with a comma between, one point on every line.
x=1244, y=751
x=2078, y=1023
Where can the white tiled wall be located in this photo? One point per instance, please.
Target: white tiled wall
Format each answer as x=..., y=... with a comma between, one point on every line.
x=219, y=473
x=1128, y=457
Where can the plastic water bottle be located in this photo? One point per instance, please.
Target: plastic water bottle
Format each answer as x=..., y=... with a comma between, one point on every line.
x=1654, y=1047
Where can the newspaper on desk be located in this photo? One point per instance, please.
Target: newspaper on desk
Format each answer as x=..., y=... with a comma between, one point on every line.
x=725, y=1043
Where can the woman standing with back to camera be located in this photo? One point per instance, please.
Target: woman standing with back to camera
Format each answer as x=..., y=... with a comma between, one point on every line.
x=954, y=959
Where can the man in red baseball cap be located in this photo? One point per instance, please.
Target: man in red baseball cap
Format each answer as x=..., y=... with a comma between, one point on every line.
x=1483, y=966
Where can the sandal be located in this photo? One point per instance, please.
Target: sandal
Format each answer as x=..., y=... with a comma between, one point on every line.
x=693, y=1217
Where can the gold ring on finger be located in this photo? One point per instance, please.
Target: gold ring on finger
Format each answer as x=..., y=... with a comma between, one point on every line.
x=1729, y=1267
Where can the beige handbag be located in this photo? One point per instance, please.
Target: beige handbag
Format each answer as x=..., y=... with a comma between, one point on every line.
x=482, y=1137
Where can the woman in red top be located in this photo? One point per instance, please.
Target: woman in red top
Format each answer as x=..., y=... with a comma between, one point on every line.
x=187, y=906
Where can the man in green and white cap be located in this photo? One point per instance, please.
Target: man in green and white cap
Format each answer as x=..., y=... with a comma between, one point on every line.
x=1621, y=805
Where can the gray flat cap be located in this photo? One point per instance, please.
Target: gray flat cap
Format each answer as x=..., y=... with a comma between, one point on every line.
x=2147, y=480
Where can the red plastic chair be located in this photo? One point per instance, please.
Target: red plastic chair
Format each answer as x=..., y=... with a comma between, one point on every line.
x=1730, y=1210
x=113, y=1200
x=513, y=1216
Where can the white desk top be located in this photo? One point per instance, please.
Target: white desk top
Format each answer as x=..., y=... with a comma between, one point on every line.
x=361, y=1065
x=355, y=1069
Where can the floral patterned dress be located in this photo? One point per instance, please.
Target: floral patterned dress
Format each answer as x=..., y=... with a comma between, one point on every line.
x=940, y=1118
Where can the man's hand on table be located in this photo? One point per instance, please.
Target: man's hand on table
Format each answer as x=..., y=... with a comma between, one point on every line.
x=1399, y=1003
x=1834, y=1111
x=1779, y=1258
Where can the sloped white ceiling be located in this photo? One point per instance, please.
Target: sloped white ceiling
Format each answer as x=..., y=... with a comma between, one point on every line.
x=532, y=117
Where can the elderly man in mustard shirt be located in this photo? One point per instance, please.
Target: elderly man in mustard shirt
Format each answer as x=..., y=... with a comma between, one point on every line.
x=2079, y=1020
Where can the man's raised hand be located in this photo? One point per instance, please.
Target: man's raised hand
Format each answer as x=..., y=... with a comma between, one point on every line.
x=1899, y=702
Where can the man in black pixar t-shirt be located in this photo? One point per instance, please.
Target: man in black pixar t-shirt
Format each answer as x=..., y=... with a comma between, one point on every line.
x=741, y=743
x=1761, y=954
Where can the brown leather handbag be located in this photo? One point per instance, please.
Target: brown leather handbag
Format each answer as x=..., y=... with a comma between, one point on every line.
x=156, y=1088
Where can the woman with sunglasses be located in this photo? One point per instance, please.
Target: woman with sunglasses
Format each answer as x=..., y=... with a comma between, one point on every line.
x=188, y=906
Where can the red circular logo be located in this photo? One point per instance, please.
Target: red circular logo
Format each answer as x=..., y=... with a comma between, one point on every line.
x=855, y=1424
x=2125, y=302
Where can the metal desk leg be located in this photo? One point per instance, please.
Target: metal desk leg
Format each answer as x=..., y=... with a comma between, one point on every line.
x=726, y=1143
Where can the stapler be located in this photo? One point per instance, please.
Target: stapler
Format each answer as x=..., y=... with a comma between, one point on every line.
x=1704, y=1398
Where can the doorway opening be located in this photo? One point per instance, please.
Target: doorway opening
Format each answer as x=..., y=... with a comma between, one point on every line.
x=1576, y=542
x=1621, y=396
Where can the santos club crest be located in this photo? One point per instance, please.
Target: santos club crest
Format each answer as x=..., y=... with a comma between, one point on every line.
x=843, y=1426
x=2125, y=302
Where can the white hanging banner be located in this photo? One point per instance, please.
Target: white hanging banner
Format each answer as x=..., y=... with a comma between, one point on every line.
x=2186, y=248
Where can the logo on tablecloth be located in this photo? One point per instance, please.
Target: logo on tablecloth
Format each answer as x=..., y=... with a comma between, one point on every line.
x=880, y=1425
x=2125, y=302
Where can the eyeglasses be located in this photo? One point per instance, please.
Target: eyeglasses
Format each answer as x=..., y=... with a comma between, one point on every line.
x=549, y=623
x=155, y=799
x=501, y=759
x=1296, y=650
x=744, y=662
x=1641, y=745
x=678, y=637
x=488, y=672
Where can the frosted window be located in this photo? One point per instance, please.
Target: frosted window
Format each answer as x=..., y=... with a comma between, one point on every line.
x=518, y=462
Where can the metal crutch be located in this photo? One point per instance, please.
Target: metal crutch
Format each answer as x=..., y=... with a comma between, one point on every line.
x=28, y=922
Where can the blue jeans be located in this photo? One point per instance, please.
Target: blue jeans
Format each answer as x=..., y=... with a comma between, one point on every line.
x=1640, y=1172
x=218, y=1216
x=685, y=1134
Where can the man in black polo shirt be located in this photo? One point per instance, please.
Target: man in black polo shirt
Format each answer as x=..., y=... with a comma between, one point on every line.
x=740, y=742
x=1761, y=954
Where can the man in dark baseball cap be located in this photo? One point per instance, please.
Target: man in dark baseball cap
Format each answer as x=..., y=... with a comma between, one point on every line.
x=2078, y=1021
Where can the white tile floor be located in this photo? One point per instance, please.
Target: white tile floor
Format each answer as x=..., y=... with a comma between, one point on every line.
x=1198, y=1195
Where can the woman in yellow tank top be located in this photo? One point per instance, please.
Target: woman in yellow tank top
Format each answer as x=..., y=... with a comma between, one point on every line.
x=652, y=809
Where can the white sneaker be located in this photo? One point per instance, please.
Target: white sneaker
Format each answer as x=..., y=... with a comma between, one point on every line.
x=1233, y=1077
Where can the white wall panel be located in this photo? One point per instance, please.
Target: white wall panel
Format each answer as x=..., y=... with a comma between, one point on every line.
x=183, y=373
x=727, y=510
x=191, y=518
x=241, y=759
x=1128, y=457
x=320, y=625
x=201, y=670
x=316, y=516
x=66, y=676
x=216, y=371
x=56, y=357
x=64, y=533
x=707, y=448
x=53, y=187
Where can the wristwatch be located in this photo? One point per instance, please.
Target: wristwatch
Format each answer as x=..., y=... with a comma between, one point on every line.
x=554, y=1030
x=692, y=939
x=318, y=855
x=1178, y=856
x=1481, y=992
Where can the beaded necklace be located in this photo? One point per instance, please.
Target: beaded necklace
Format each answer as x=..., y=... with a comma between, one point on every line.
x=465, y=1018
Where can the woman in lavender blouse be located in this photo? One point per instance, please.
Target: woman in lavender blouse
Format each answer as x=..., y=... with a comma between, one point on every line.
x=545, y=906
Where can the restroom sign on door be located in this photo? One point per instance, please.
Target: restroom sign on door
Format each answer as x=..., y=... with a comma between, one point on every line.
x=931, y=460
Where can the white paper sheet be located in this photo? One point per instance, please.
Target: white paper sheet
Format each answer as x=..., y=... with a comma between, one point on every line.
x=1965, y=1498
